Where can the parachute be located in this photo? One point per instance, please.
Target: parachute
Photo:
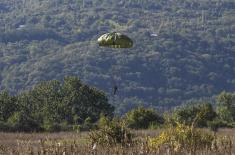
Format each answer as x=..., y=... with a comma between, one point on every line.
x=115, y=40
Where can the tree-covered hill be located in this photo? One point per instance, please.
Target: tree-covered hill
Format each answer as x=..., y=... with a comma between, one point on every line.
x=183, y=49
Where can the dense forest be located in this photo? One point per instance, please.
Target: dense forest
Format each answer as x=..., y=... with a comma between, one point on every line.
x=183, y=50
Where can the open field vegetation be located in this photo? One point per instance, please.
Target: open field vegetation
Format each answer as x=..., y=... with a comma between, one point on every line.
x=71, y=143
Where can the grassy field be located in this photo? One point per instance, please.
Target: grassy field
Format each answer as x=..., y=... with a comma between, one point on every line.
x=69, y=143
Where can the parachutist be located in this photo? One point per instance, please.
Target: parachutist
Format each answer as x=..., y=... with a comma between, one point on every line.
x=115, y=89
x=115, y=40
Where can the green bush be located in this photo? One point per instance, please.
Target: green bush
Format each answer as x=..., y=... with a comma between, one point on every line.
x=111, y=133
x=103, y=121
x=217, y=123
x=142, y=118
x=52, y=127
x=77, y=128
x=87, y=125
x=20, y=121
x=226, y=106
x=199, y=114
x=4, y=126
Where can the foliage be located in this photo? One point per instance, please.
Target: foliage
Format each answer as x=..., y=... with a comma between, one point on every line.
x=20, y=121
x=142, y=118
x=7, y=105
x=200, y=114
x=226, y=106
x=218, y=123
x=111, y=133
x=103, y=121
x=184, y=139
x=87, y=125
x=54, y=106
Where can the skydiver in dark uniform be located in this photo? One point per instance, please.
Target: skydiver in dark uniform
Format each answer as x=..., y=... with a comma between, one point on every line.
x=115, y=89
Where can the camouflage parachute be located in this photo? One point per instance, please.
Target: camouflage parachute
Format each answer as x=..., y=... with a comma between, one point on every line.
x=115, y=40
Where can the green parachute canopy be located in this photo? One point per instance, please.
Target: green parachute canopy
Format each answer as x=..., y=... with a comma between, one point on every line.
x=115, y=40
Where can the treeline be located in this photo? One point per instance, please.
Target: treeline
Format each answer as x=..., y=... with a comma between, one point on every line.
x=201, y=114
x=71, y=105
x=53, y=106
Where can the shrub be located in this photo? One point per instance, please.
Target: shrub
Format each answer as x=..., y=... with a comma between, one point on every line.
x=51, y=127
x=103, y=121
x=111, y=133
x=182, y=137
x=218, y=123
x=77, y=128
x=141, y=118
x=20, y=121
x=4, y=126
x=226, y=106
x=199, y=113
x=87, y=125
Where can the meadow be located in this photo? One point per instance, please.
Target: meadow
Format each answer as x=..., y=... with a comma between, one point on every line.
x=72, y=143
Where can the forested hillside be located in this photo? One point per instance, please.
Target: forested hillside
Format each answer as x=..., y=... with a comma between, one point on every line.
x=183, y=49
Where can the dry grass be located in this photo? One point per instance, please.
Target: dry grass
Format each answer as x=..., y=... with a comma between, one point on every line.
x=68, y=143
